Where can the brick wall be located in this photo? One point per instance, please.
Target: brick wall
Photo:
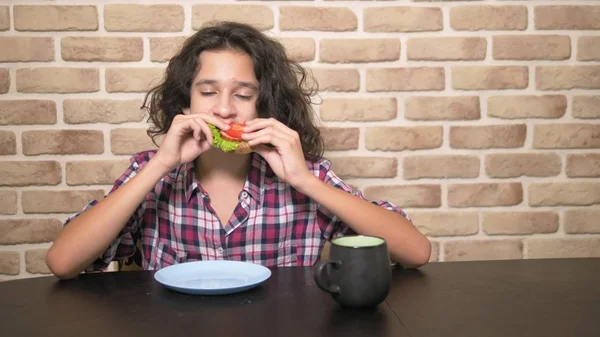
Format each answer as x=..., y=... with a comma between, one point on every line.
x=478, y=117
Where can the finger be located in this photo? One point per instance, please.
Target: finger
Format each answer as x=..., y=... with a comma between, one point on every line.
x=261, y=123
x=191, y=126
x=195, y=128
x=182, y=127
x=262, y=150
x=268, y=131
x=204, y=146
x=204, y=131
x=276, y=139
x=216, y=121
x=206, y=118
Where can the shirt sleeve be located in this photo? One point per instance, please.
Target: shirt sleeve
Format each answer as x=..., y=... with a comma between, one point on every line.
x=331, y=225
x=124, y=245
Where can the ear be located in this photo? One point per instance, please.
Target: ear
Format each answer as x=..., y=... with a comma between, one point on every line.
x=186, y=111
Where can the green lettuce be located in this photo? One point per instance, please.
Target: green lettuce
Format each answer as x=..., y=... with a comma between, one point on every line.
x=219, y=142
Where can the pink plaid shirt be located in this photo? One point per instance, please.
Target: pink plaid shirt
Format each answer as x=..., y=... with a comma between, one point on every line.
x=273, y=224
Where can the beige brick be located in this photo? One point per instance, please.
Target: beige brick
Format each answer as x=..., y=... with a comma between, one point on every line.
x=563, y=248
x=356, y=109
x=582, y=221
x=531, y=47
x=26, y=49
x=162, y=49
x=512, y=165
x=18, y=112
x=336, y=79
x=405, y=79
x=403, y=138
x=55, y=18
x=566, y=136
x=359, y=50
x=446, y=48
x=38, y=142
x=4, y=18
x=364, y=167
x=58, y=80
x=19, y=231
x=435, y=224
x=488, y=137
x=483, y=250
x=424, y=195
x=442, y=108
x=35, y=261
x=588, y=48
x=258, y=16
x=441, y=166
x=10, y=263
x=22, y=173
x=8, y=202
x=519, y=223
x=484, y=194
x=515, y=107
x=95, y=172
x=143, y=18
x=567, y=17
x=4, y=80
x=485, y=17
x=66, y=201
x=8, y=143
x=299, y=49
x=106, y=49
x=133, y=79
x=78, y=111
x=339, y=139
x=564, y=194
x=402, y=19
x=490, y=77
x=129, y=141
x=583, y=165
x=567, y=77
x=586, y=107
x=333, y=19
x=435, y=251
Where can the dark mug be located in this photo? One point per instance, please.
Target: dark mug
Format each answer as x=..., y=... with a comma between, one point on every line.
x=358, y=272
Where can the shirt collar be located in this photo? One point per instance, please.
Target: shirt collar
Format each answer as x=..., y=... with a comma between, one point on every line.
x=257, y=173
x=256, y=177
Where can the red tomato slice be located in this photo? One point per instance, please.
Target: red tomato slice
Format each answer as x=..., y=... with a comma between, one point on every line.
x=235, y=132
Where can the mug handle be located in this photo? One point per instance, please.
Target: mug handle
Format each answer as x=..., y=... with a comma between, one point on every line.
x=324, y=281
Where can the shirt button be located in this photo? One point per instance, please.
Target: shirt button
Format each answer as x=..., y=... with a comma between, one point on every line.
x=220, y=250
x=244, y=195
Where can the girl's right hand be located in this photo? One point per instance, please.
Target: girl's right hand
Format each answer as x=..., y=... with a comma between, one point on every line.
x=188, y=137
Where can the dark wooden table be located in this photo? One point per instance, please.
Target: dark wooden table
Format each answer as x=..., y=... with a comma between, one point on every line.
x=495, y=298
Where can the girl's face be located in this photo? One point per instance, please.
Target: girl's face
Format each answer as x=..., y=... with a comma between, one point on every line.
x=225, y=86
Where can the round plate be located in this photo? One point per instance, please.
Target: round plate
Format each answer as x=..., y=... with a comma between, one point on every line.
x=212, y=277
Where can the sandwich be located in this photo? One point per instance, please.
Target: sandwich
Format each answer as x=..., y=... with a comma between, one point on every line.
x=230, y=140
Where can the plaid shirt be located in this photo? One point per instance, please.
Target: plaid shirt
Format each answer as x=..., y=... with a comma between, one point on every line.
x=273, y=224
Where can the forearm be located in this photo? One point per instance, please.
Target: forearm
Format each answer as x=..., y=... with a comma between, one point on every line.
x=86, y=237
x=406, y=244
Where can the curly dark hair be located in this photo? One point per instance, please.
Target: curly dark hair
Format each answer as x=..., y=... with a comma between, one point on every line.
x=285, y=88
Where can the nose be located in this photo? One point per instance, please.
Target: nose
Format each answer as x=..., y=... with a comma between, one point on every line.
x=224, y=107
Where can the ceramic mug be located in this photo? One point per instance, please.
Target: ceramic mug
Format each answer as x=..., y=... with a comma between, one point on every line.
x=357, y=273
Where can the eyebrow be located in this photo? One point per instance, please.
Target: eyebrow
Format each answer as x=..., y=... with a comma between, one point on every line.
x=245, y=84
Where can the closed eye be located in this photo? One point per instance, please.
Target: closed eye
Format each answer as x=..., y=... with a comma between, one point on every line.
x=243, y=97
x=208, y=93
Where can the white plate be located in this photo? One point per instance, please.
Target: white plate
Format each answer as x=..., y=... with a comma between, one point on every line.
x=212, y=277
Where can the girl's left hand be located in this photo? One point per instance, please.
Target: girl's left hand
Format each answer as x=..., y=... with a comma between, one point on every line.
x=285, y=157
